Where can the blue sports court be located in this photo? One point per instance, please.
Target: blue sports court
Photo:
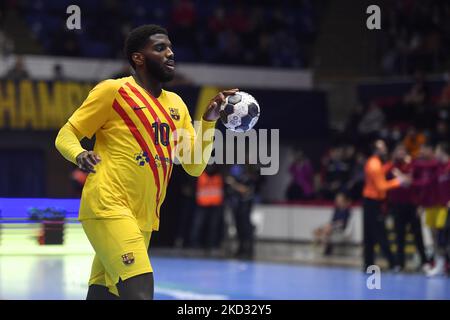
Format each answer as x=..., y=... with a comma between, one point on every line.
x=32, y=271
x=59, y=277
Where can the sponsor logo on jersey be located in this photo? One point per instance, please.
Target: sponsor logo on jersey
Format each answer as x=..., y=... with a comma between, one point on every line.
x=141, y=158
x=158, y=160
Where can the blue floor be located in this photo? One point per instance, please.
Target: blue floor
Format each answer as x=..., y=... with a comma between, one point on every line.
x=65, y=277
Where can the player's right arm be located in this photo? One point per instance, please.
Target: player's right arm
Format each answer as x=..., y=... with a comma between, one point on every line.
x=86, y=120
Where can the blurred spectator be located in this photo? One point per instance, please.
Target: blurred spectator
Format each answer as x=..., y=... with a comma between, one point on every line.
x=355, y=182
x=302, y=185
x=404, y=210
x=415, y=37
x=230, y=47
x=78, y=179
x=67, y=44
x=443, y=105
x=443, y=156
x=18, y=71
x=6, y=45
x=351, y=133
x=431, y=179
x=444, y=99
x=413, y=141
x=335, y=173
x=183, y=23
x=262, y=56
x=442, y=134
x=338, y=223
x=392, y=135
x=58, y=72
x=242, y=181
x=188, y=206
x=268, y=34
x=371, y=122
x=217, y=21
x=238, y=20
x=424, y=169
x=209, y=198
x=416, y=102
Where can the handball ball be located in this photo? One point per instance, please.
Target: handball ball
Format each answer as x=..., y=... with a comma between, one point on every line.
x=239, y=112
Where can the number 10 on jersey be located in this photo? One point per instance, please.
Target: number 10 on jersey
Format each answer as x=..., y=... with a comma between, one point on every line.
x=162, y=131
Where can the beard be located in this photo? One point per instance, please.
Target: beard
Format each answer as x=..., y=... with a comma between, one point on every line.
x=157, y=71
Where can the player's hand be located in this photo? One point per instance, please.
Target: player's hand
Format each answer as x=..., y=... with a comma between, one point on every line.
x=212, y=111
x=87, y=160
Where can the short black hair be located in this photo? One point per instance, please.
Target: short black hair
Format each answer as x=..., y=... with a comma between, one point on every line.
x=138, y=37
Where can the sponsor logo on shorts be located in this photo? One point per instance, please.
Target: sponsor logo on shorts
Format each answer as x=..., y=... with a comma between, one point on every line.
x=128, y=258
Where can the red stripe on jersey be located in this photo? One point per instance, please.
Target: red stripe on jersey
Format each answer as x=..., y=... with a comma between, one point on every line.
x=140, y=140
x=147, y=126
x=163, y=111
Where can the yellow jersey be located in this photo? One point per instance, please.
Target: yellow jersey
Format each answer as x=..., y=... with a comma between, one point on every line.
x=134, y=140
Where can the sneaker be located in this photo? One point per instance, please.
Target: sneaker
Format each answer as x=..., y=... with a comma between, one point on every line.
x=439, y=268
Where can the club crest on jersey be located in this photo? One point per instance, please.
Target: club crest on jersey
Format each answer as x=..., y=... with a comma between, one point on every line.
x=174, y=113
x=128, y=258
x=141, y=158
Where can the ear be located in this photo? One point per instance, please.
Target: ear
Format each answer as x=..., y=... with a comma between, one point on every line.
x=138, y=58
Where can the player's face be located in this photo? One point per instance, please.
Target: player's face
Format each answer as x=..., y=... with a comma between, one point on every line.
x=159, y=58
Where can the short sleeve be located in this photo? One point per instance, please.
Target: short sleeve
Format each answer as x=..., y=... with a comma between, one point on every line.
x=95, y=110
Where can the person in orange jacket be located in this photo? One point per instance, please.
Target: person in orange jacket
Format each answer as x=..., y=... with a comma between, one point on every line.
x=209, y=199
x=374, y=193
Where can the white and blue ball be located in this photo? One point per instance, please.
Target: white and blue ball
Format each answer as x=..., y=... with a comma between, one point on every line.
x=239, y=112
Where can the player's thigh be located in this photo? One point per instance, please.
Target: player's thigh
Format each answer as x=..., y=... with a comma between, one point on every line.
x=120, y=246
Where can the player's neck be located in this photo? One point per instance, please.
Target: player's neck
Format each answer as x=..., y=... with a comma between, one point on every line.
x=154, y=87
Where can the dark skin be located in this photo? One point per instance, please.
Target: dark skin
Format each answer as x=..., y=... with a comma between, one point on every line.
x=154, y=65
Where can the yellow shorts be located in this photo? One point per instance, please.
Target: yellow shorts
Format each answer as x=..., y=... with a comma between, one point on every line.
x=121, y=250
x=436, y=217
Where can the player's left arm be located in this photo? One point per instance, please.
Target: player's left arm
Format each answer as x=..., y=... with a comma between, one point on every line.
x=199, y=142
